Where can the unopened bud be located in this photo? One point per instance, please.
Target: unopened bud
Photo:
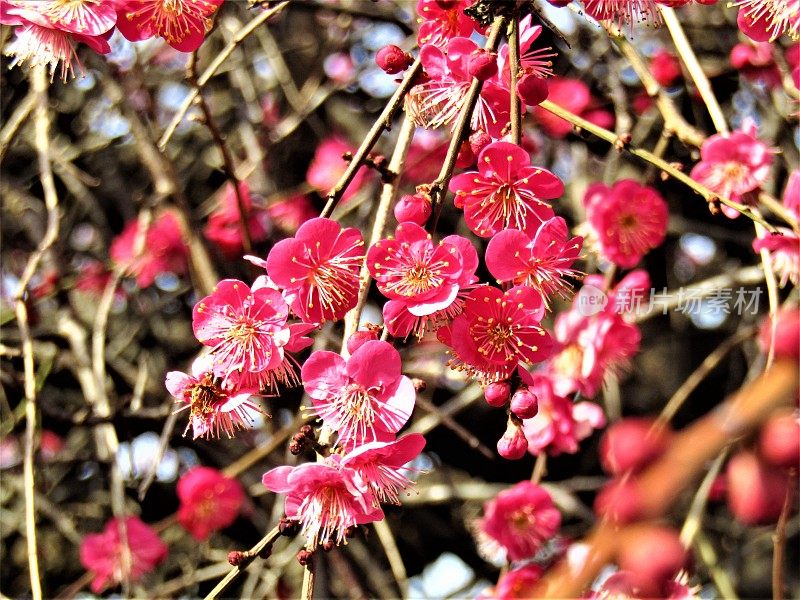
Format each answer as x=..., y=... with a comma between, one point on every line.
x=482, y=64
x=419, y=384
x=359, y=338
x=391, y=59
x=524, y=403
x=415, y=209
x=513, y=444
x=479, y=140
x=236, y=558
x=288, y=527
x=304, y=557
x=328, y=545
x=496, y=394
x=532, y=89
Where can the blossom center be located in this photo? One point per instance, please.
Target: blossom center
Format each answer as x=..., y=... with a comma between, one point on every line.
x=569, y=360
x=355, y=409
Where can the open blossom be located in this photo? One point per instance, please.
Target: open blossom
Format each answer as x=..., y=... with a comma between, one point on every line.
x=791, y=194
x=506, y=191
x=766, y=20
x=364, y=398
x=560, y=424
x=380, y=466
x=784, y=249
x=755, y=61
x=214, y=406
x=542, y=262
x=622, y=11
x=496, y=331
x=103, y=553
x=48, y=31
x=318, y=269
x=291, y=212
x=325, y=498
x=439, y=100
x=182, y=23
x=734, y=164
x=247, y=332
x=517, y=583
x=422, y=280
x=442, y=21
x=628, y=220
x=520, y=519
x=210, y=501
x=328, y=165
x=224, y=228
x=574, y=95
x=591, y=344
x=164, y=250
x=535, y=63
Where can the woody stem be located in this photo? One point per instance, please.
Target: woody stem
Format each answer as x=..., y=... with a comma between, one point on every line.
x=514, y=68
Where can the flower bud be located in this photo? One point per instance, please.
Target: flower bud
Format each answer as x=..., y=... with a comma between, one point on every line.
x=419, y=384
x=415, y=209
x=756, y=491
x=496, y=394
x=466, y=157
x=482, y=64
x=478, y=141
x=513, y=444
x=619, y=500
x=532, y=89
x=304, y=557
x=524, y=403
x=559, y=3
x=359, y=338
x=779, y=442
x=236, y=558
x=631, y=444
x=652, y=556
x=391, y=59
x=288, y=527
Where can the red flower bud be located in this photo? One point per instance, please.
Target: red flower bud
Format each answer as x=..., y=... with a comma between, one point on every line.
x=652, y=556
x=478, y=141
x=391, y=59
x=756, y=491
x=482, y=64
x=524, y=403
x=359, y=338
x=632, y=444
x=416, y=209
x=532, y=89
x=513, y=444
x=779, y=442
x=619, y=500
x=496, y=394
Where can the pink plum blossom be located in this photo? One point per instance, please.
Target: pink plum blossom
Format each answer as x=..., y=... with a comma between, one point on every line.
x=734, y=165
x=210, y=501
x=103, y=553
x=520, y=519
x=224, y=228
x=364, y=398
x=328, y=166
x=628, y=220
x=766, y=20
x=496, y=331
x=214, y=406
x=517, y=583
x=505, y=192
x=381, y=465
x=574, y=95
x=182, y=23
x=784, y=250
x=542, y=262
x=325, y=498
x=291, y=212
x=318, y=269
x=425, y=282
x=442, y=21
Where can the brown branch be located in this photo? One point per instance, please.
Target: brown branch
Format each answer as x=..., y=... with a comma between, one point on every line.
x=665, y=480
x=779, y=541
x=384, y=122
x=514, y=70
x=248, y=558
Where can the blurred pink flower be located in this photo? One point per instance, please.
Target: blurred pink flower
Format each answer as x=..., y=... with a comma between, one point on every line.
x=517, y=583
x=328, y=166
x=573, y=95
x=784, y=249
x=103, y=553
x=665, y=67
x=224, y=229
x=210, y=501
x=291, y=212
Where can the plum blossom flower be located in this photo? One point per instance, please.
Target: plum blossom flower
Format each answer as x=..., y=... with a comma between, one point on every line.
x=291, y=212
x=560, y=424
x=439, y=100
x=224, y=229
x=622, y=11
x=734, y=164
x=325, y=498
x=628, y=220
x=318, y=269
x=47, y=32
x=755, y=61
x=380, y=466
x=496, y=331
x=164, y=250
x=535, y=63
x=520, y=519
x=364, y=398
x=210, y=501
x=247, y=332
x=182, y=23
x=442, y=21
x=784, y=249
x=589, y=346
x=574, y=95
x=791, y=194
x=103, y=553
x=542, y=262
x=766, y=20
x=424, y=282
x=214, y=406
x=328, y=166
x=517, y=583
x=505, y=192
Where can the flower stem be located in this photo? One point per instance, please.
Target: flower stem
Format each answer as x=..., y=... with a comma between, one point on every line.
x=514, y=68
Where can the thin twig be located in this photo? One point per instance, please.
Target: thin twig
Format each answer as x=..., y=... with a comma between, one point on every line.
x=396, y=564
x=382, y=123
x=694, y=518
x=15, y=122
x=649, y=157
x=471, y=440
x=307, y=589
x=250, y=555
x=212, y=68
x=514, y=69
